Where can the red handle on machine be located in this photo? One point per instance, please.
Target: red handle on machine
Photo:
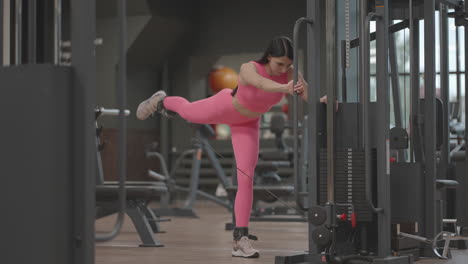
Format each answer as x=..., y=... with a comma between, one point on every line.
x=353, y=219
x=343, y=217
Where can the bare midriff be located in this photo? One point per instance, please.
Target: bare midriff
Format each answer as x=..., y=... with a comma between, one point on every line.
x=243, y=110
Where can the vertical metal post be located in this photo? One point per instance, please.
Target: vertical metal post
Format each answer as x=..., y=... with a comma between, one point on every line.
x=330, y=39
x=444, y=89
x=165, y=134
x=122, y=137
x=361, y=64
x=466, y=84
x=6, y=33
x=18, y=31
x=344, y=92
x=2, y=40
x=57, y=31
x=457, y=54
x=383, y=143
x=83, y=33
x=314, y=11
x=122, y=103
x=415, y=136
x=32, y=31
x=365, y=91
x=429, y=225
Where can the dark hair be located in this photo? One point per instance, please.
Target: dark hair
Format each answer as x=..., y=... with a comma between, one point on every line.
x=278, y=47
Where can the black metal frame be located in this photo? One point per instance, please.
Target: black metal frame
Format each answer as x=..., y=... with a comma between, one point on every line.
x=466, y=85
x=32, y=31
x=429, y=226
x=1, y=31
x=83, y=33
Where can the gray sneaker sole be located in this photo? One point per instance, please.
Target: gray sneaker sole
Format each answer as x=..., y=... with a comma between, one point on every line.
x=240, y=254
x=144, y=116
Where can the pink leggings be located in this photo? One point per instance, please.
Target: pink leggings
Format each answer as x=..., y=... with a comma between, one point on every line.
x=218, y=109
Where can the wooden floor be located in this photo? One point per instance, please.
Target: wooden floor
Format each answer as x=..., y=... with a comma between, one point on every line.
x=204, y=240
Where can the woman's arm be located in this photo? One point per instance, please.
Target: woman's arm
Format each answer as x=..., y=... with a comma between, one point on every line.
x=248, y=76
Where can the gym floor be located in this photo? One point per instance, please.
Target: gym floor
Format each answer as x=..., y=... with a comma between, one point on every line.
x=203, y=240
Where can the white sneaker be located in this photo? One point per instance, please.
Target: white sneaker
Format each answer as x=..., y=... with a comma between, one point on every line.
x=221, y=191
x=243, y=248
x=150, y=105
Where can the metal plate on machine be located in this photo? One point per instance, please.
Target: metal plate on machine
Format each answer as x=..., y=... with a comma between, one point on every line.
x=321, y=235
x=318, y=215
x=406, y=187
x=398, y=138
x=348, y=123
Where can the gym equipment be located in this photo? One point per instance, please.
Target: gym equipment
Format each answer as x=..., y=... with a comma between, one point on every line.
x=200, y=145
x=37, y=163
x=371, y=170
x=440, y=244
x=52, y=148
x=221, y=78
x=137, y=194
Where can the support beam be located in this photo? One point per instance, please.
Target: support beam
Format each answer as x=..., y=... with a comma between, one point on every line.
x=449, y=3
x=392, y=29
x=164, y=122
x=444, y=90
x=429, y=224
x=416, y=152
x=331, y=51
x=18, y=32
x=6, y=36
x=32, y=31
x=383, y=143
x=314, y=55
x=466, y=85
x=458, y=61
x=2, y=23
x=83, y=33
x=362, y=78
x=58, y=31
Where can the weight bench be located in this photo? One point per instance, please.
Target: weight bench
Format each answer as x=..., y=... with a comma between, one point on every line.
x=139, y=194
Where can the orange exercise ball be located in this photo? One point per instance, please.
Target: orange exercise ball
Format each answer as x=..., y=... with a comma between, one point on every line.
x=221, y=78
x=285, y=108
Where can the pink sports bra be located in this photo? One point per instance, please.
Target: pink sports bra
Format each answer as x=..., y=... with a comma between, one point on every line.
x=258, y=100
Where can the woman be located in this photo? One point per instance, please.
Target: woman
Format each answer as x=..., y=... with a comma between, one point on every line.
x=261, y=84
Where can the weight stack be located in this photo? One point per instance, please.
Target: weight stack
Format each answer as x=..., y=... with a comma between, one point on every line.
x=350, y=181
